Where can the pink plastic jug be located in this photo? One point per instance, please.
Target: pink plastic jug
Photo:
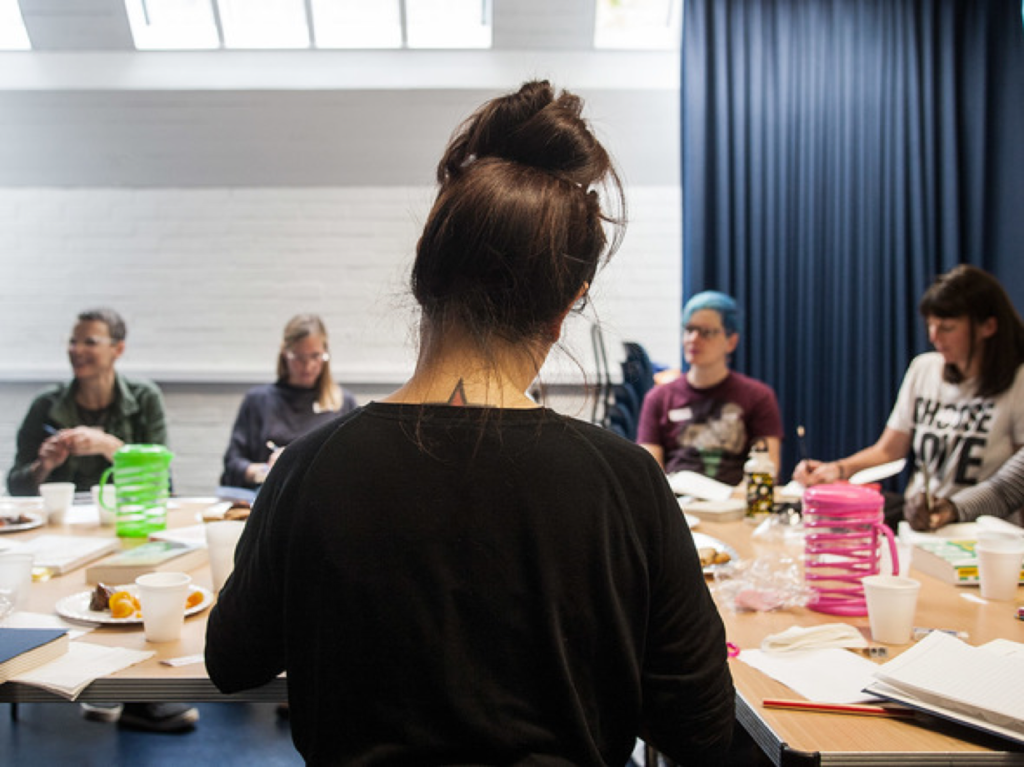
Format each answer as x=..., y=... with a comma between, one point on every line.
x=843, y=524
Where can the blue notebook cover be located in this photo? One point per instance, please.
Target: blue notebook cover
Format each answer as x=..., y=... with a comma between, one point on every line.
x=15, y=642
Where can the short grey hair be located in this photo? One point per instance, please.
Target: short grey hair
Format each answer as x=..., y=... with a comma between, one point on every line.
x=113, y=321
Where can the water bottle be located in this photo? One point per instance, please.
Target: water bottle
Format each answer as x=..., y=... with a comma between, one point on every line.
x=759, y=472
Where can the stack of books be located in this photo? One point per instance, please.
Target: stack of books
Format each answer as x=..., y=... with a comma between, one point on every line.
x=62, y=553
x=149, y=557
x=952, y=561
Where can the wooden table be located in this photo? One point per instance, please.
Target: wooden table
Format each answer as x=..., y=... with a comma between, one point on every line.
x=788, y=737
x=149, y=680
x=813, y=738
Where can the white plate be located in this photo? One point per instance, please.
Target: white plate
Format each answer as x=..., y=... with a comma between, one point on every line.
x=34, y=521
x=213, y=511
x=700, y=540
x=691, y=520
x=178, y=503
x=76, y=607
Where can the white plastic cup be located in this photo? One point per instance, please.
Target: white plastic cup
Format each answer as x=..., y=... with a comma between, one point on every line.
x=221, y=539
x=162, y=597
x=109, y=494
x=57, y=498
x=892, y=601
x=16, y=577
x=999, y=564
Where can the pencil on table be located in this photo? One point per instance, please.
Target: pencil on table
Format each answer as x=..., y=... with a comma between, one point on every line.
x=838, y=708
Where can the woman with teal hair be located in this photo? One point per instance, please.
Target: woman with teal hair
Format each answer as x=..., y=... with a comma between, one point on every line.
x=708, y=419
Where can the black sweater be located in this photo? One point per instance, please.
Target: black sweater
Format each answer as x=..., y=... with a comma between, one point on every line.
x=468, y=585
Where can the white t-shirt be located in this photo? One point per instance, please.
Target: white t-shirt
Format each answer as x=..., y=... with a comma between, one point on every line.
x=962, y=439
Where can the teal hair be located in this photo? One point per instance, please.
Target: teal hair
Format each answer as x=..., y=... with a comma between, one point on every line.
x=724, y=304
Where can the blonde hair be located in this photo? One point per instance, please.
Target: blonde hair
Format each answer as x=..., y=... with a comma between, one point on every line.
x=299, y=327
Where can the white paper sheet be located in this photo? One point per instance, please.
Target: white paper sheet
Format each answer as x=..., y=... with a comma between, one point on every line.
x=823, y=676
x=26, y=620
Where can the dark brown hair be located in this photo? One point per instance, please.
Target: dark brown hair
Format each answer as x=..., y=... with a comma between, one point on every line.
x=518, y=227
x=967, y=291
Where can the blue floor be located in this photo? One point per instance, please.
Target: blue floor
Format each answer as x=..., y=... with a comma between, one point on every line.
x=227, y=734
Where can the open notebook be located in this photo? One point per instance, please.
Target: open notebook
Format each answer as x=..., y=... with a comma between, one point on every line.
x=981, y=687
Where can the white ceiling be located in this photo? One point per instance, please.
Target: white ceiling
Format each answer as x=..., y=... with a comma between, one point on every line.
x=86, y=109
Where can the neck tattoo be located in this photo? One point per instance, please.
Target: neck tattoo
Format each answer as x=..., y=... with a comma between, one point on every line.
x=458, y=395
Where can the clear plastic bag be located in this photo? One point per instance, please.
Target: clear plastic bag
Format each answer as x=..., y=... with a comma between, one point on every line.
x=774, y=578
x=773, y=581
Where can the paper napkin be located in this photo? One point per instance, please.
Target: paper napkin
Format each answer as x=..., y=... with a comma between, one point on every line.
x=825, y=636
x=84, y=662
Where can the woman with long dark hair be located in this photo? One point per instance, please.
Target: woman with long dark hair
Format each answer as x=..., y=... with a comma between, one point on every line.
x=960, y=410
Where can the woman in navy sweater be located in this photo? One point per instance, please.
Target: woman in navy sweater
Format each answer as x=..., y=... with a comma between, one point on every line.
x=272, y=415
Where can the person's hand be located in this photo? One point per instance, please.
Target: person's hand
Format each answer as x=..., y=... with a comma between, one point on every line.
x=53, y=452
x=810, y=472
x=88, y=440
x=256, y=473
x=923, y=517
x=274, y=456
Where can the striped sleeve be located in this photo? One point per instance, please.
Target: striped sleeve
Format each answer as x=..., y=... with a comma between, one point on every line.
x=999, y=496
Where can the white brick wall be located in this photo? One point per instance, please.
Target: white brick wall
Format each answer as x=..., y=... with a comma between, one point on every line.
x=206, y=279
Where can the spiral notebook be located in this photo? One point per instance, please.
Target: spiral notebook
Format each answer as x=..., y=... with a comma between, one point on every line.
x=981, y=687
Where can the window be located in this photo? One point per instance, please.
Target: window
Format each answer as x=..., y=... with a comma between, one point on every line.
x=284, y=24
x=172, y=24
x=448, y=23
x=638, y=24
x=264, y=24
x=13, y=36
x=357, y=23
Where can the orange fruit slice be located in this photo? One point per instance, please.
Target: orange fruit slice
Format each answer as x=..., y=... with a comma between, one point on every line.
x=123, y=604
x=193, y=599
x=122, y=609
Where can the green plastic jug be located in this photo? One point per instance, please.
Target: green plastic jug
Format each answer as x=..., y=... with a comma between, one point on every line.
x=142, y=484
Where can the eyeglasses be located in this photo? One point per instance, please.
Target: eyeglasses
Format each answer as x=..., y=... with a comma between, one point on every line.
x=305, y=359
x=90, y=342
x=705, y=333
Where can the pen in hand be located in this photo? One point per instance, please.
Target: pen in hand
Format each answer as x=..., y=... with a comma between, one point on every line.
x=927, y=480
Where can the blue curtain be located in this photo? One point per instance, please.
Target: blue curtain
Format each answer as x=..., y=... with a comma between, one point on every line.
x=837, y=155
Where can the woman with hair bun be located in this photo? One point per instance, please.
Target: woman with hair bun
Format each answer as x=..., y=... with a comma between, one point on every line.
x=273, y=415
x=455, y=574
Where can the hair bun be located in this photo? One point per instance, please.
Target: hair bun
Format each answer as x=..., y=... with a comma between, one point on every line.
x=532, y=127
